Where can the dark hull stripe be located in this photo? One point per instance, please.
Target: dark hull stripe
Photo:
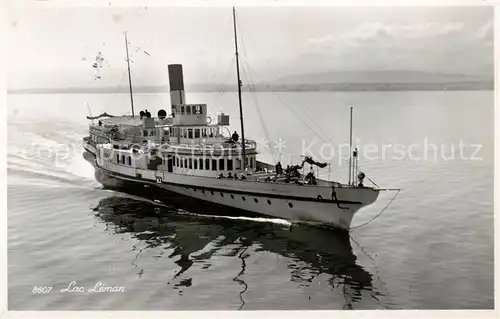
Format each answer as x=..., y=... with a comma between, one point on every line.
x=233, y=191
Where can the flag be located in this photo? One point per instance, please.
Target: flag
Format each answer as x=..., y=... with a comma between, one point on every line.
x=311, y=161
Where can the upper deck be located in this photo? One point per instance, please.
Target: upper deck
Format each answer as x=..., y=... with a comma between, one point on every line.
x=187, y=129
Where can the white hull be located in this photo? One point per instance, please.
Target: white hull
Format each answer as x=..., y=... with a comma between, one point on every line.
x=300, y=210
x=287, y=201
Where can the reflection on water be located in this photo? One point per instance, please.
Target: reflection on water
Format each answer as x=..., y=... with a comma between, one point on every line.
x=421, y=258
x=311, y=251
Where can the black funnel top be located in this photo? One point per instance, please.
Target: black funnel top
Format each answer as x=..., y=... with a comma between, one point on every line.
x=175, y=77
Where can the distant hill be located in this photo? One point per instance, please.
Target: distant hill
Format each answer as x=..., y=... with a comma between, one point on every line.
x=393, y=76
x=326, y=81
x=104, y=90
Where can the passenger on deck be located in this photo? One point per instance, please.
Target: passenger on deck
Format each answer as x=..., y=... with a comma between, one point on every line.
x=294, y=171
x=310, y=178
x=279, y=169
x=100, y=123
x=235, y=137
x=221, y=175
x=229, y=175
x=361, y=176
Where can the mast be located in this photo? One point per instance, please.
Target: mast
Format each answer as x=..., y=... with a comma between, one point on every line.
x=239, y=90
x=350, y=149
x=129, y=76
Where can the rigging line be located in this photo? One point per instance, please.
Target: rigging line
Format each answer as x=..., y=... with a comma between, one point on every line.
x=372, y=181
x=201, y=54
x=361, y=169
x=266, y=132
x=254, y=96
x=259, y=112
x=240, y=38
x=296, y=115
x=303, y=110
x=380, y=213
x=291, y=110
x=242, y=43
x=214, y=75
x=113, y=94
x=226, y=77
x=243, y=47
x=212, y=79
x=250, y=81
x=223, y=88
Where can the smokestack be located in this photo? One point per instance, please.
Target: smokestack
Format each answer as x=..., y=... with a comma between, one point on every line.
x=176, y=80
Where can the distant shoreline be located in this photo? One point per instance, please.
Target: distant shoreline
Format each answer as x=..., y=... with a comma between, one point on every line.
x=326, y=87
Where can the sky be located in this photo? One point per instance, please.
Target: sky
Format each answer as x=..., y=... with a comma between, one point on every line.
x=55, y=46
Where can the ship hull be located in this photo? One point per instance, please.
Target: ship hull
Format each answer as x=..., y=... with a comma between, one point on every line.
x=290, y=209
x=89, y=148
x=229, y=203
x=246, y=198
x=153, y=192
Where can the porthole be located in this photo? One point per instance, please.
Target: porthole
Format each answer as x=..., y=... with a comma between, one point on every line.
x=256, y=200
x=290, y=204
x=243, y=197
x=269, y=202
x=232, y=196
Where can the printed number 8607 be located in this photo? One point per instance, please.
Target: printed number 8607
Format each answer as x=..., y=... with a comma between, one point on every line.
x=41, y=290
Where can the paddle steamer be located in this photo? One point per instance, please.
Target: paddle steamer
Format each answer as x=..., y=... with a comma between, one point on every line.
x=189, y=153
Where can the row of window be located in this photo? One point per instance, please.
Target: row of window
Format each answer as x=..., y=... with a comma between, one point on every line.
x=129, y=159
x=187, y=132
x=188, y=109
x=194, y=132
x=221, y=164
x=151, y=133
x=233, y=197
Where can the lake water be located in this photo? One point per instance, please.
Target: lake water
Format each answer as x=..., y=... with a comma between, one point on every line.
x=432, y=248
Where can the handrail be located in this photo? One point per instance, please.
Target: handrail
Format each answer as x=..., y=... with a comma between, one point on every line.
x=210, y=145
x=134, y=138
